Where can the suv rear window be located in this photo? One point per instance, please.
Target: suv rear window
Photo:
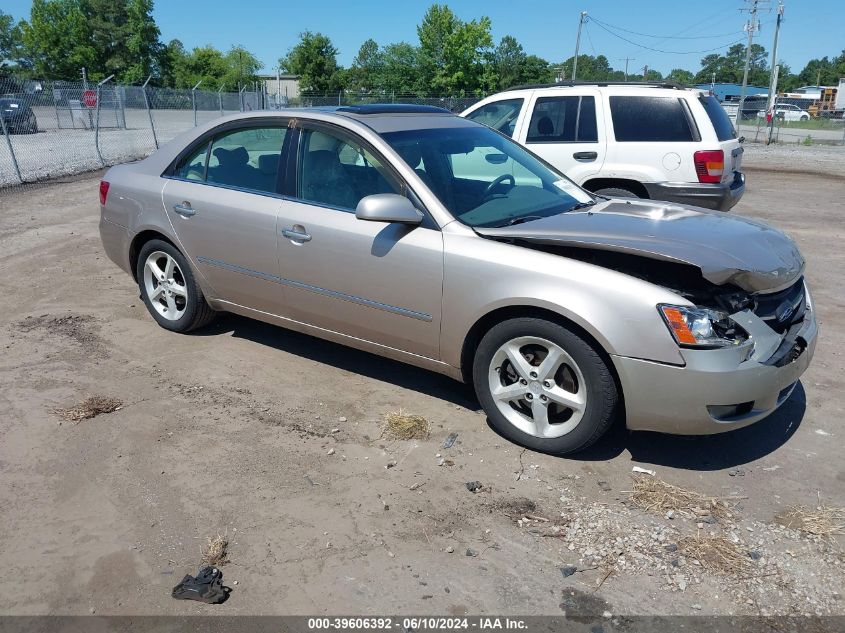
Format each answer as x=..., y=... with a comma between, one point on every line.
x=638, y=119
x=721, y=121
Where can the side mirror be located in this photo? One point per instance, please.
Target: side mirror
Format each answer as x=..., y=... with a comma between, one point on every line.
x=388, y=207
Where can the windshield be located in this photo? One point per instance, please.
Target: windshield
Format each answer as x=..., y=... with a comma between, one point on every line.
x=483, y=178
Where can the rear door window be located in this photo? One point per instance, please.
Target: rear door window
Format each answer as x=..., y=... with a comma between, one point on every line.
x=719, y=118
x=650, y=119
x=499, y=115
x=247, y=158
x=568, y=119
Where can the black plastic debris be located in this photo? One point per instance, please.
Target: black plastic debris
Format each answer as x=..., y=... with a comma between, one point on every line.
x=206, y=587
x=567, y=570
x=450, y=440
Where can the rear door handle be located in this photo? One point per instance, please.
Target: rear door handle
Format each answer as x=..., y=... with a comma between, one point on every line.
x=296, y=235
x=585, y=155
x=184, y=209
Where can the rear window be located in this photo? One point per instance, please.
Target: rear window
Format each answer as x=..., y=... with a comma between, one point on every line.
x=639, y=119
x=719, y=118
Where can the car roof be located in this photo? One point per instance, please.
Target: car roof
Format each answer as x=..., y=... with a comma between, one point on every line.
x=390, y=117
x=626, y=88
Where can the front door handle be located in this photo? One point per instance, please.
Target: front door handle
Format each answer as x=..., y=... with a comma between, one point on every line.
x=296, y=234
x=585, y=155
x=184, y=209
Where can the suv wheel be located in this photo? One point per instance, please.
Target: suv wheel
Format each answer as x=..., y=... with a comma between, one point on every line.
x=543, y=386
x=169, y=289
x=616, y=192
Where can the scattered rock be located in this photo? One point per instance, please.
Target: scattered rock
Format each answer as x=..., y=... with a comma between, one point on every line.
x=755, y=555
x=604, y=486
x=471, y=552
x=670, y=515
x=450, y=550
x=709, y=519
x=341, y=419
x=474, y=486
x=568, y=570
x=330, y=452
x=416, y=486
x=450, y=440
x=737, y=472
x=390, y=464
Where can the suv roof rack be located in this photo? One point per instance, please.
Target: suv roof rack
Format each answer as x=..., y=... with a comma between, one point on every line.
x=570, y=83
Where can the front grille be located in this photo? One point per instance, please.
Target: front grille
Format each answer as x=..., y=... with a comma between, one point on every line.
x=780, y=310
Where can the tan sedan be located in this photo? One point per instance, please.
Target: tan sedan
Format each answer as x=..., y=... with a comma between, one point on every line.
x=415, y=234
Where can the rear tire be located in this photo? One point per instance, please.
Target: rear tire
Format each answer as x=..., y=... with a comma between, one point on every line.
x=169, y=290
x=544, y=386
x=616, y=192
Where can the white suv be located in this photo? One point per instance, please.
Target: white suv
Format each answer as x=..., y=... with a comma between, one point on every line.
x=634, y=140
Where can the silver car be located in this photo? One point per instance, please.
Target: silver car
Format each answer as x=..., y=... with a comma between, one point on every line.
x=417, y=235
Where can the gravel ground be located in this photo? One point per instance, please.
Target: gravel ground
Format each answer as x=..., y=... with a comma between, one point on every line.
x=828, y=160
x=274, y=440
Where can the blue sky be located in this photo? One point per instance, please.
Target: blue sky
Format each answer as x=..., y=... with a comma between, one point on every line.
x=547, y=28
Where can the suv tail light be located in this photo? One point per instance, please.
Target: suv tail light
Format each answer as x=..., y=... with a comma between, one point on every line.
x=709, y=165
x=104, y=192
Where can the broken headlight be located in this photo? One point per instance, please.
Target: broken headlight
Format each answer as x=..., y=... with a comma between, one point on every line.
x=701, y=327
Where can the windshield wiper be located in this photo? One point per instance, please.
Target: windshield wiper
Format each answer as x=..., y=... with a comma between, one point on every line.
x=583, y=205
x=520, y=220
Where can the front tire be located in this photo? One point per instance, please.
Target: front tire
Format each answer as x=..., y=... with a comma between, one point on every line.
x=544, y=386
x=169, y=290
x=616, y=192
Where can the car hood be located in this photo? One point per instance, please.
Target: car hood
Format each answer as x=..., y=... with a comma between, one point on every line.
x=726, y=248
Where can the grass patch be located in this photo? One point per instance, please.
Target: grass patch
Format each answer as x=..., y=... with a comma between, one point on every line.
x=89, y=408
x=214, y=553
x=715, y=553
x=401, y=425
x=822, y=521
x=655, y=495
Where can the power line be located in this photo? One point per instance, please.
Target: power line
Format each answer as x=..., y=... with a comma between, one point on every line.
x=665, y=37
x=658, y=50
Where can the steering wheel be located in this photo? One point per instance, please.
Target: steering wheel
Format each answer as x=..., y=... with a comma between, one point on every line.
x=489, y=190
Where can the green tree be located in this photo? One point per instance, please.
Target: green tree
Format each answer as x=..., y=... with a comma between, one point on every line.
x=508, y=61
x=172, y=56
x=204, y=63
x=681, y=76
x=536, y=70
x=824, y=71
x=366, y=72
x=314, y=59
x=142, y=46
x=729, y=68
x=453, y=53
x=58, y=39
x=242, y=67
x=108, y=25
x=400, y=70
x=9, y=39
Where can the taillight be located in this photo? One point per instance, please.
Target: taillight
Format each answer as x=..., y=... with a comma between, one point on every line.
x=104, y=191
x=709, y=165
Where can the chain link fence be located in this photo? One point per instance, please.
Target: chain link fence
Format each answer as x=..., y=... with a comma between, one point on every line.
x=63, y=128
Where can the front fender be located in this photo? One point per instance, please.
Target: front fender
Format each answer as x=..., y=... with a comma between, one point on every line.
x=618, y=311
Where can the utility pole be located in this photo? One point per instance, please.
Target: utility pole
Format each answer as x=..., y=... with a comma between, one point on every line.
x=751, y=26
x=578, y=44
x=627, y=59
x=645, y=72
x=773, y=83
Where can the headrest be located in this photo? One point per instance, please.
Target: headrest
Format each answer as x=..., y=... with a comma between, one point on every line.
x=545, y=126
x=231, y=157
x=268, y=163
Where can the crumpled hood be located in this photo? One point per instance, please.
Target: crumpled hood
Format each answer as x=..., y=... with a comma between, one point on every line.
x=726, y=248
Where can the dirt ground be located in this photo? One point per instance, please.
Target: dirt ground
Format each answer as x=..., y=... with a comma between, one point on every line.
x=273, y=440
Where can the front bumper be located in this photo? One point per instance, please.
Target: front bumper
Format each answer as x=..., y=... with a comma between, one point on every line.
x=717, y=390
x=722, y=196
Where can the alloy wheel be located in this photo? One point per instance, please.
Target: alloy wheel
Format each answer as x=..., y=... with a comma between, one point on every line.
x=538, y=387
x=165, y=285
